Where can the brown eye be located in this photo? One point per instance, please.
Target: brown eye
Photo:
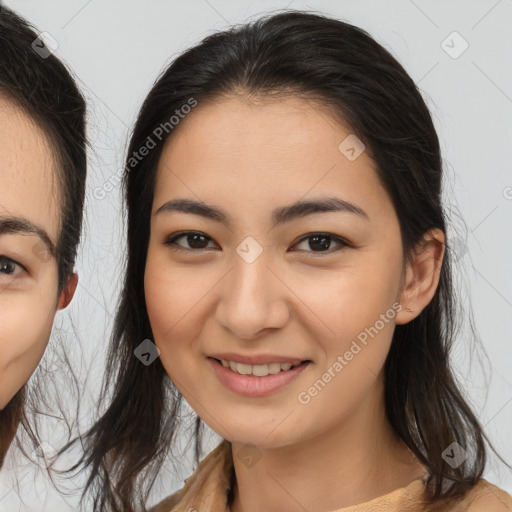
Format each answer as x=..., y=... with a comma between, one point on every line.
x=321, y=243
x=8, y=266
x=194, y=240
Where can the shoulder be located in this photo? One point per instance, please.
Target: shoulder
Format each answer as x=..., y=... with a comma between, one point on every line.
x=208, y=484
x=488, y=497
x=482, y=497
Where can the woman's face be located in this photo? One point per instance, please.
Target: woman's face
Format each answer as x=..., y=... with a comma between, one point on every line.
x=29, y=223
x=255, y=286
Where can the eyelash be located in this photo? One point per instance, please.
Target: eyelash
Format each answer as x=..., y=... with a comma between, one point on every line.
x=5, y=260
x=170, y=241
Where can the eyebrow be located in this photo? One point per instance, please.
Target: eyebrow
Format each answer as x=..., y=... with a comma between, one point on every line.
x=279, y=215
x=22, y=226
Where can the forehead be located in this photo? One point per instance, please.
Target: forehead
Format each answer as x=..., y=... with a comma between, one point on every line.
x=27, y=169
x=257, y=152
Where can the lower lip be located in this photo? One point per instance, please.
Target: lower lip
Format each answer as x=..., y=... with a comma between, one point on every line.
x=250, y=385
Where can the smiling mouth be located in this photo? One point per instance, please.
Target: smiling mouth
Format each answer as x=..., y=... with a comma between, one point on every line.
x=258, y=370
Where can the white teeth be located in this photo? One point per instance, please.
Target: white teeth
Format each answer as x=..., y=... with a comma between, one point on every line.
x=258, y=370
x=274, y=368
x=244, y=369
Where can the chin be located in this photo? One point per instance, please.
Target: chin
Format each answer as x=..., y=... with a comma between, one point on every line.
x=256, y=436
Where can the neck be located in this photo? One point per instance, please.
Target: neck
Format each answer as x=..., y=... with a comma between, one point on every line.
x=352, y=463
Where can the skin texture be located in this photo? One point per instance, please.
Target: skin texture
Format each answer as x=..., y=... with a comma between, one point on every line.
x=249, y=158
x=29, y=295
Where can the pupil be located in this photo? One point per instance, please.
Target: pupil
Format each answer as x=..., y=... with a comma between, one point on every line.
x=320, y=242
x=6, y=267
x=194, y=241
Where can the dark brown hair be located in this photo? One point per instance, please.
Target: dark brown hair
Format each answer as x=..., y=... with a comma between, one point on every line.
x=316, y=57
x=46, y=91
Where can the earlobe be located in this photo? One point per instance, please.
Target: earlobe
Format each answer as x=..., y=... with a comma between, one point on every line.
x=422, y=276
x=69, y=290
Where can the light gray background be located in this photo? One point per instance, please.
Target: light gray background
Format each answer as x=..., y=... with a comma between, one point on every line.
x=117, y=48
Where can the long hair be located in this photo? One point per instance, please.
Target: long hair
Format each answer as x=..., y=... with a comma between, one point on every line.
x=41, y=85
x=311, y=56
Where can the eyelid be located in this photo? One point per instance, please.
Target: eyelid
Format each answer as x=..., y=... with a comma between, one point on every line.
x=15, y=252
x=171, y=239
x=340, y=240
x=10, y=260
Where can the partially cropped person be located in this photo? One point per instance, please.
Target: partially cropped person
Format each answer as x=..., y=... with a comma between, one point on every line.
x=42, y=189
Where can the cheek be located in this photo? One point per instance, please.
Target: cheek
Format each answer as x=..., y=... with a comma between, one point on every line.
x=173, y=302
x=345, y=302
x=25, y=327
x=171, y=296
x=356, y=309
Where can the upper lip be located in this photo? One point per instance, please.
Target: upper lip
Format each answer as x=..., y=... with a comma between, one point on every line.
x=257, y=359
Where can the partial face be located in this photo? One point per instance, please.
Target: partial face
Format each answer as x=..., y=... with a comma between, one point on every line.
x=254, y=283
x=28, y=225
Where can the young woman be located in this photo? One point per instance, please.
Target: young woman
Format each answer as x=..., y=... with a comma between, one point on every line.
x=42, y=176
x=287, y=255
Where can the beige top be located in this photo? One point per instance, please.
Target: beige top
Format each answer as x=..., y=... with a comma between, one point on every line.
x=207, y=491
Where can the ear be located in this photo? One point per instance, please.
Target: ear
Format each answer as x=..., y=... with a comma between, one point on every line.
x=68, y=291
x=422, y=276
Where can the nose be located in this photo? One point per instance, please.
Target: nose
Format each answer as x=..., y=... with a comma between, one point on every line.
x=253, y=300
